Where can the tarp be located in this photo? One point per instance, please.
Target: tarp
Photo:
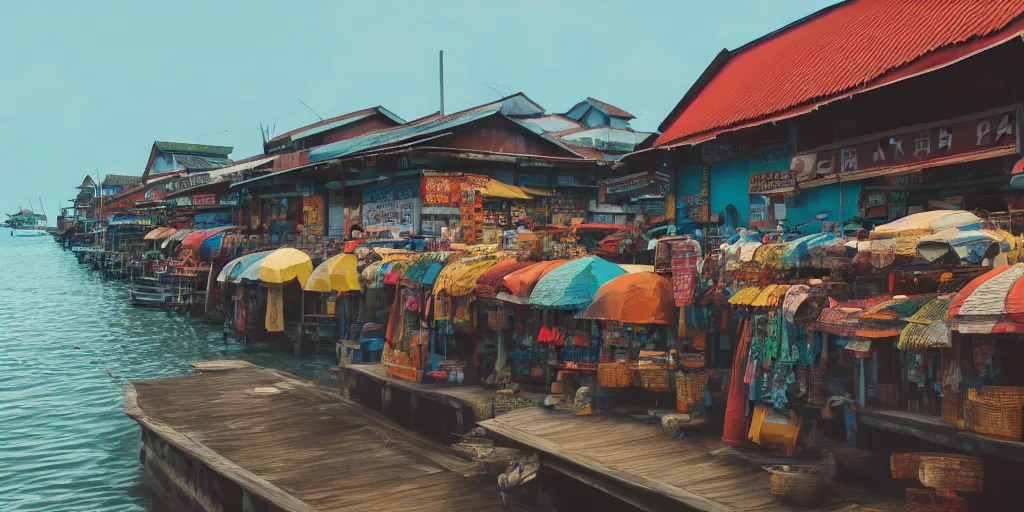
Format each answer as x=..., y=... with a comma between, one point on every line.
x=639, y=298
x=521, y=282
x=573, y=285
x=422, y=273
x=927, y=328
x=459, y=278
x=336, y=274
x=211, y=244
x=925, y=223
x=491, y=281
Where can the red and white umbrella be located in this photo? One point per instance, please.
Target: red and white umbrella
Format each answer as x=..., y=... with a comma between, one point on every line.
x=992, y=303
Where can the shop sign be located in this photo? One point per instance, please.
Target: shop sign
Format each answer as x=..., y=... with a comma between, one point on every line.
x=402, y=190
x=312, y=215
x=567, y=180
x=532, y=180
x=772, y=150
x=204, y=199
x=628, y=185
x=389, y=213
x=440, y=191
x=183, y=201
x=910, y=147
x=772, y=182
x=717, y=151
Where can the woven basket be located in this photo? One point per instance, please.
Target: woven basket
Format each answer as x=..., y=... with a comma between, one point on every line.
x=951, y=471
x=692, y=361
x=690, y=389
x=905, y=465
x=614, y=375
x=928, y=500
x=997, y=416
x=653, y=379
x=952, y=406
x=797, y=485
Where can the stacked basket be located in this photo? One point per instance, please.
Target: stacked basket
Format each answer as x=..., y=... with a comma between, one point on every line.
x=944, y=473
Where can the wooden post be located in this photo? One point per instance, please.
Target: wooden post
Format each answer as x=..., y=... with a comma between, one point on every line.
x=209, y=284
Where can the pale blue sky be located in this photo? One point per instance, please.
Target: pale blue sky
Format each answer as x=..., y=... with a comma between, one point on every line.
x=86, y=84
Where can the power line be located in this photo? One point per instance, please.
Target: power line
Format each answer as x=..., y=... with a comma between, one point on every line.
x=310, y=109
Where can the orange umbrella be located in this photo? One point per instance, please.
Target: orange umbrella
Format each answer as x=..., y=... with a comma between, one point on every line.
x=521, y=282
x=640, y=298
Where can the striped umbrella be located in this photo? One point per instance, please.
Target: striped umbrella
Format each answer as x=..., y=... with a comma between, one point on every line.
x=992, y=303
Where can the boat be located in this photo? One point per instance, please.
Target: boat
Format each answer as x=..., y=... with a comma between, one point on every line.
x=28, y=232
x=25, y=219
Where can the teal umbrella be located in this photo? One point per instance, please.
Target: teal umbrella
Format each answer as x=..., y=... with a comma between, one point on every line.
x=573, y=285
x=232, y=271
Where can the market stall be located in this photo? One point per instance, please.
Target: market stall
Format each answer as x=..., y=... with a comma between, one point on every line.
x=335, y=286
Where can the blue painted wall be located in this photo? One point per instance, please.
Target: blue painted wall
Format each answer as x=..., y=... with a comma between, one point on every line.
x=730, y=180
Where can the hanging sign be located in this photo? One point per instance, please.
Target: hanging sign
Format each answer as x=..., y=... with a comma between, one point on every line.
x=777, y=182
x=204, y=199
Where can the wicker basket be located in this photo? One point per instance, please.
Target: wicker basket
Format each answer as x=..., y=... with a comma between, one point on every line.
x=653, y=379
x=692, y=361
x=928, y=500
x=614, y=375
x=996, y=415
x=690, y=389
x=797, y=485
x=951, y=471
x=905, y=465
x=952, y=406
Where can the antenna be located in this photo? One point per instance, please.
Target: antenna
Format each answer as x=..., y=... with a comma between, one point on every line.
x=30, y=207
x=493, y=88
x=310, y=109
x=263, y=134
x=440, y=57
x=41, y=207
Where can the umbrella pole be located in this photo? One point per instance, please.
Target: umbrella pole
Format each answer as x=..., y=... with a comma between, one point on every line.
x=209, y=284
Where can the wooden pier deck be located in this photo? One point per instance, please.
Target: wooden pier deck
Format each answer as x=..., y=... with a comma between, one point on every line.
x=291, y=445
x=638, y=463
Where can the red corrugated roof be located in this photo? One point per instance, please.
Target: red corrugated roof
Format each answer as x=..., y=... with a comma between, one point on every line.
x=845, y=48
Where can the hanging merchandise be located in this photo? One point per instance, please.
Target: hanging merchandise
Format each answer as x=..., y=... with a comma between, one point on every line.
x=685, y=254
x=275, y=308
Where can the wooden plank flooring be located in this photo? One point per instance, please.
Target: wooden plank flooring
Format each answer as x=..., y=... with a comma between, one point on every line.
x=303, y=447
x=638, y=454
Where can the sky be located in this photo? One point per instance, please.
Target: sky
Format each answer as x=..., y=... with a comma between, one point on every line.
x=86, y=87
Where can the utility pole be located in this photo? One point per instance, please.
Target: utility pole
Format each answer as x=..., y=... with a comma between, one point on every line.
x=441, y=76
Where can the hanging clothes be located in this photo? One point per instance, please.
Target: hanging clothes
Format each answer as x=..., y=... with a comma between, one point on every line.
x=734, y=432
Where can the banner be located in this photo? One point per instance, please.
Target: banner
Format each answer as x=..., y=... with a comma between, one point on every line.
x=312, y=214
x=440, y=191
x=778, y=182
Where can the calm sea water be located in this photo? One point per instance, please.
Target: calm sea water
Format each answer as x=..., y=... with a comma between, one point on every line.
x=65, y=442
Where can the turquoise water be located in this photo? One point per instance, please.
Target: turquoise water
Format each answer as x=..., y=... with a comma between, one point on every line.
x=65, y=443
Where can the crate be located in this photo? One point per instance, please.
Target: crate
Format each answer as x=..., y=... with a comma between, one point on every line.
x=951, y=471
x=653, y=379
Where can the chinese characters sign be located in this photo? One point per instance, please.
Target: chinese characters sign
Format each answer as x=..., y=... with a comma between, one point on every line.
x=772, y=182
x=910, y=147
x=440, y=191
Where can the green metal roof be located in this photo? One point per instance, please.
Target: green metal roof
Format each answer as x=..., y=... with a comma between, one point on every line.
x=184, y=147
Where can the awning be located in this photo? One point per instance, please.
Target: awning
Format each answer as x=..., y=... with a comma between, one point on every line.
x=927, y=328
x=232, y=271
x=925, y=223
x=159, y=233
x=495, y=188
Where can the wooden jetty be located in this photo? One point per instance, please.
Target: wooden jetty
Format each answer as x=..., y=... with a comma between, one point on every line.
x=637, y=463
x=239, y=437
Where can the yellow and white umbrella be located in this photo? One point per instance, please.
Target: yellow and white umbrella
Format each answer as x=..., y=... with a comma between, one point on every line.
x=336, y=274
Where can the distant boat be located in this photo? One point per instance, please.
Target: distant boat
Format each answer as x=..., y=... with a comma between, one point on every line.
x=25, y=219
x=28, y=232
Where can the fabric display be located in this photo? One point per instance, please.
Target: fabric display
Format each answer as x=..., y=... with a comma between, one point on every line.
x=685, y=254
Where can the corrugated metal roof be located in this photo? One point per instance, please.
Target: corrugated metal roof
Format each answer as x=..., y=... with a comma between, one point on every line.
x=193, y=162
x=185, y=147
x=548, y=124
x=510, y=105
x=121, y=180
x=335, y=122
x=612, y=110
x=841, y=49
